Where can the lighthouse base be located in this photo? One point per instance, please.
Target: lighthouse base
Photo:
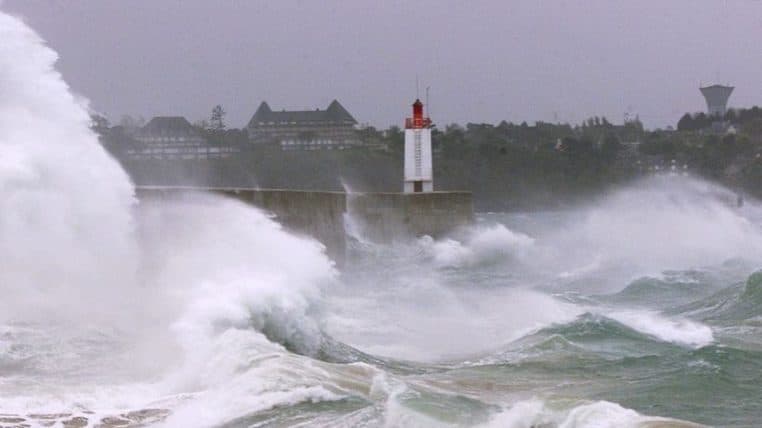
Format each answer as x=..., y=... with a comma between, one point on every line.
x=420, y=186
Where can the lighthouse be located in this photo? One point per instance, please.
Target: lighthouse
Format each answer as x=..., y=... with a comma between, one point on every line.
x=419, y=175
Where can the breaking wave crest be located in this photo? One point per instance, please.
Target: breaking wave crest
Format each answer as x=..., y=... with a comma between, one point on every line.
x=601, y=414
x=133, y=306
x=615, y=335
x=72, y=223
x=678, y=331
x=481, y=245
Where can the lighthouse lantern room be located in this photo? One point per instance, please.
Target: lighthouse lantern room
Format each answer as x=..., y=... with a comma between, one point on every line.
x=418, y=166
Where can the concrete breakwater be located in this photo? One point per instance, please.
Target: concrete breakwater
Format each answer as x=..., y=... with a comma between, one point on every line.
x=385, y=217
x=382, y=217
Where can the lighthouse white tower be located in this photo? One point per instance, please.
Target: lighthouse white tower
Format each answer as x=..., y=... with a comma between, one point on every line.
x=419, y=175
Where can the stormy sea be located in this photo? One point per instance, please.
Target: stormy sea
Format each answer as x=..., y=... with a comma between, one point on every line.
x=639, y=309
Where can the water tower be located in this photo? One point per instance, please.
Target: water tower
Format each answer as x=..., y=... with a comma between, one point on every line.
x=716, y=99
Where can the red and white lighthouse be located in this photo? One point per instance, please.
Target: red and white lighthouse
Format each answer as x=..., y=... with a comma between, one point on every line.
x=419, y=175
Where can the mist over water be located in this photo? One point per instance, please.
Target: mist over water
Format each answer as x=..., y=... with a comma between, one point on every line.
x=202, y=311
x=663, y=223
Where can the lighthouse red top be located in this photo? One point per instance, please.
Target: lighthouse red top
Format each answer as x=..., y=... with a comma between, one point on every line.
x=418, y=121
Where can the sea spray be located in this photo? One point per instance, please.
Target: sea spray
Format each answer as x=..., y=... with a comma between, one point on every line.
x=66, y=243
x=407, y=300
x=643, y=228
x=656, y=224
x=639, y=229
x=230, y=267
x=92, y=293
x=478, y=245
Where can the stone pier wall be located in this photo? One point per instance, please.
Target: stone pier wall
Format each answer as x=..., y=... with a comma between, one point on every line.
x=382, y=217
x=316, y=214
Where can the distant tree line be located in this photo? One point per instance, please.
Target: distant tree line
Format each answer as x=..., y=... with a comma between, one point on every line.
x=751, y=117
x=507, y=166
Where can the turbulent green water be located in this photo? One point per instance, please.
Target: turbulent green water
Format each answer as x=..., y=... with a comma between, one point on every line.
x=576, y=318
x=642, y=309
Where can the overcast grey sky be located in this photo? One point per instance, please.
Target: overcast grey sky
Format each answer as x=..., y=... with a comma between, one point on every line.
x=484, y=60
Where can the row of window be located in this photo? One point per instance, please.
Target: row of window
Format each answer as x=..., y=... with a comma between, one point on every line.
x=336, y=147
x=179, y=157
x=305, y=122
x=160, y=150
x=170, y=139
x=318, y=142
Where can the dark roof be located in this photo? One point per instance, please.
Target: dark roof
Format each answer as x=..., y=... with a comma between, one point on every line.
x=174, y=123
x=168, y=125
x=717, y=86
x=334, y=113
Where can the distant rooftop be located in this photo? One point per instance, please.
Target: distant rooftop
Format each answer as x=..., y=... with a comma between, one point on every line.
x=168, y=125
x=717, y=86
x=335, y=113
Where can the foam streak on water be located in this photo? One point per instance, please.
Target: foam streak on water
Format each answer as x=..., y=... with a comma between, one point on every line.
x=680, y=331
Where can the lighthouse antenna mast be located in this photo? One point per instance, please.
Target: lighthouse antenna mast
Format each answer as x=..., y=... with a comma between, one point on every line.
x=428, y=106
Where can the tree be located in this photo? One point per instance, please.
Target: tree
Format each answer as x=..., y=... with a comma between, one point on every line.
x=369, y=134
x=753, y=128
x=130, y=123
x=217, y=120
x=702, y=121
x=395, y=138
x=611, y=146
x=202, y=125
x=731, y=116
x=686, y=123
x=576, y=148
x=99, y=123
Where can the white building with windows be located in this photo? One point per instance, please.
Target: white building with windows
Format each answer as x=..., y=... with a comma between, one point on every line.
x=174, y=138
x=328, y=129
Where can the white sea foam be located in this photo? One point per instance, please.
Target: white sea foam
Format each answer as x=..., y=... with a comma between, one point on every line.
x=480, y=244
x=642, y=228
x=422, y=319
x=524, y=414
x=675, y=330
x=599, y=414
x=603, y=414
